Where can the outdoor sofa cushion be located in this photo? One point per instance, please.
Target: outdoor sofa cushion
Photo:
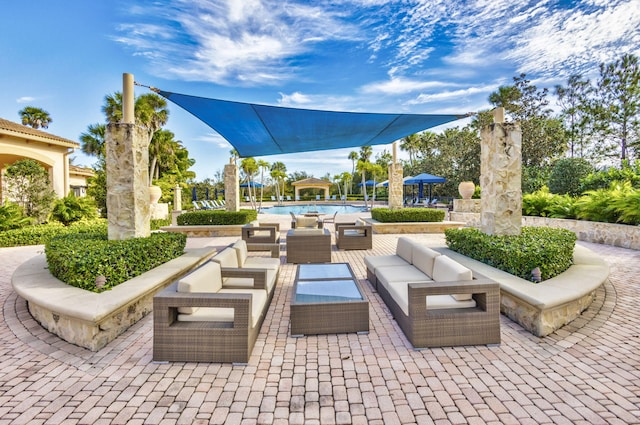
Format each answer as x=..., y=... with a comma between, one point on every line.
x=447, y=270
x=303, y=222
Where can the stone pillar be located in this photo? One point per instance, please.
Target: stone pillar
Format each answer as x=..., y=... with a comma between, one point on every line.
x=500, y=178
x=177, y=198
x=127, y=149
x=396, y=188
x=231, y=187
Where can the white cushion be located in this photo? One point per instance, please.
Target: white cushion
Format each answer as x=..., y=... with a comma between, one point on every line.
x=227, y=258
x=258, y=301
x=208, y=314
x=389, y=274
x=405, y=248
x=447, y=270
x=306, y=222
x=423, y=258
x=441, y=302
x=374, y=261
x=400, y=293
x=241, y=251
x=308, y=231
x=207, y=278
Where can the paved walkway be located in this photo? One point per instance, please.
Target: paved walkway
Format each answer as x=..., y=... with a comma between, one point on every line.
x=586, y=373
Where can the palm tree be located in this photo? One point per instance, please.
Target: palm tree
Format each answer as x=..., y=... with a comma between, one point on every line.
x=35, y=117
x=150, y=111
x=353, y=156
x=93, y=140
x=249, y=167
x=263, y=165
x=281, y=174
x=410, y=144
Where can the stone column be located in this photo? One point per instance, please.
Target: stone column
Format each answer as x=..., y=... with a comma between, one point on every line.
x=127, y=148
x=500, y=177
x=231, y=187
x=177, y=205
x=396, y=189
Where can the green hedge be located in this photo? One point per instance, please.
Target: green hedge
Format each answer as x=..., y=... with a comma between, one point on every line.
x=407, y=215
x=42, y=233
x=77, y=259
x=214, y=217
x=549, y=249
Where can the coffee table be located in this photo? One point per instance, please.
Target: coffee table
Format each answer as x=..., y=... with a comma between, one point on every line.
x=327, y=299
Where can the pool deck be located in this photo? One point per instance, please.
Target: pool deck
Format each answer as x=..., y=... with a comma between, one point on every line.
x=586, y=373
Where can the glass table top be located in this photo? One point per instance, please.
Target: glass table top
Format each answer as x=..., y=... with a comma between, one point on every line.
x=324, y=271
x=327, y=291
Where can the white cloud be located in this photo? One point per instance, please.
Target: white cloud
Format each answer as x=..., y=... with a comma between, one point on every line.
x=25, y=99
x=453, y=94
x=399, y=85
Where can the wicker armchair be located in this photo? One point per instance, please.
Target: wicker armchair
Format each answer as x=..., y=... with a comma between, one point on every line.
x=262, y=237
x=198, y=320
x=354, y=236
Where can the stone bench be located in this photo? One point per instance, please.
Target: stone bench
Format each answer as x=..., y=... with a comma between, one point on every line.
x=547, y=306
x=92, y=320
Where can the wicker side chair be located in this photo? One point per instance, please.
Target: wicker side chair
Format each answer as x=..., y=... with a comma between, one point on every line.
x=354, y=236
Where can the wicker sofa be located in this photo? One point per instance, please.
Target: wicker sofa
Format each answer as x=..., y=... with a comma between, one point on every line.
x=357, y=235
x=435, y=300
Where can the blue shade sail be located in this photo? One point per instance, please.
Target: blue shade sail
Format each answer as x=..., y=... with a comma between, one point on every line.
x=257, y=130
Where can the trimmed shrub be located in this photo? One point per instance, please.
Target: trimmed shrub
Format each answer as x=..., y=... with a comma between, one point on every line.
x=216, y=217
x=549, y=249
x=157, y=223
x=78, y=259
x=407, y=215
x=42, y=233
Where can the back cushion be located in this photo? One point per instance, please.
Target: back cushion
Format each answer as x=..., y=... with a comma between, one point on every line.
x=227, y=258
x=404, y=249
x=423, y=258
x=206, y=278
x=445, y=269
x=241, y=251
x=360, y=222
x=306, y=221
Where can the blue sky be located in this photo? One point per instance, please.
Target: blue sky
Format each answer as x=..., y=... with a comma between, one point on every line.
x=417, y=56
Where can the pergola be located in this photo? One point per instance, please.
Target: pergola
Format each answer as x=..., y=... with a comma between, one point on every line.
x=312, y=183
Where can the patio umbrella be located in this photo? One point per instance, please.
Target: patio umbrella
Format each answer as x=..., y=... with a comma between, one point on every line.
x=194, y=195
x=386, y=182
x=368, y=183
x=252, y=184
x=423, y=178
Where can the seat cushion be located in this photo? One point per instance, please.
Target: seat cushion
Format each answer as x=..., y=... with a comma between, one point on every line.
x=423, y=258
x=258, y=301
x=447, y=270
x=388, y=274
x=206, y=278
x=441, y=302
x=374, y=261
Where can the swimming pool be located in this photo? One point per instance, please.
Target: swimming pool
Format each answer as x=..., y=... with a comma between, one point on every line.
x=321, y=208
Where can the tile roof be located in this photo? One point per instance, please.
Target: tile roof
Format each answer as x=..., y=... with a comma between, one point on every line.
x=7, y=126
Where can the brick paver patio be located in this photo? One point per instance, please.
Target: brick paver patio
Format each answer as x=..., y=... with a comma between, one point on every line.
x=586, y=373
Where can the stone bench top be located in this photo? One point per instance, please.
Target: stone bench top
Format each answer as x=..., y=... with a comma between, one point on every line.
x=586, y=274
x=33, y=282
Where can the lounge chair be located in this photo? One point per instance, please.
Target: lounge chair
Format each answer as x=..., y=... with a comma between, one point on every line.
x=358, y=235
x=288, y=198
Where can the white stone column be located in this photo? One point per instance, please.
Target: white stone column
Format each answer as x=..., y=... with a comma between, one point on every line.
x=231, y=187
x=127, y=149
x=396, y=189
x=500, y=178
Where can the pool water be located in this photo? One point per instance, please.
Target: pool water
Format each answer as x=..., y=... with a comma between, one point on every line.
x=321, y=208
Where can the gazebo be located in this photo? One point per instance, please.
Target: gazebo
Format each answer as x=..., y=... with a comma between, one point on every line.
x=312, y=183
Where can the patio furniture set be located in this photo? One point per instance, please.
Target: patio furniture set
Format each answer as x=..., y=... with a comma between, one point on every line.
x=214, y=313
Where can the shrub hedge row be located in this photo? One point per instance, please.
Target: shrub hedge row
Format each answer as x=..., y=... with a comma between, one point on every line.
x=407, y=215
x=42, y=233
x=216, y=217
x=549, y=249
x=78, y=259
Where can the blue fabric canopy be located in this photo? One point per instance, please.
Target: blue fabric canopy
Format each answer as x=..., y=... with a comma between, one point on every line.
x=256, y=130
